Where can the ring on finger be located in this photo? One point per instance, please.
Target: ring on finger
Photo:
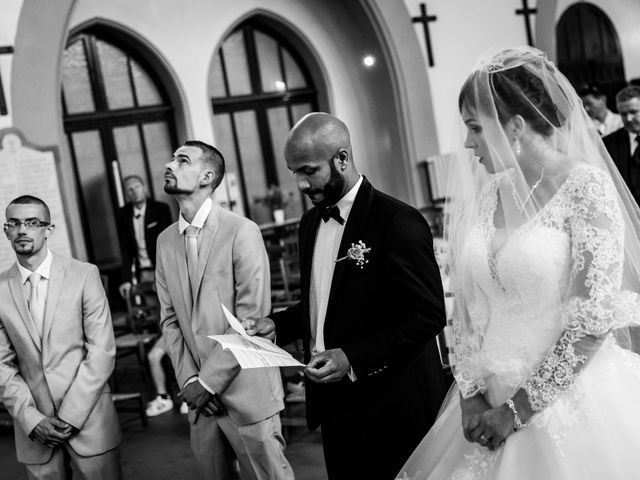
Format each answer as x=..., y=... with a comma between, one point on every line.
x=484, y=439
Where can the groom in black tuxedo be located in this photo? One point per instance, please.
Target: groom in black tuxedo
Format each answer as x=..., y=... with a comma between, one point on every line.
x=371, y=306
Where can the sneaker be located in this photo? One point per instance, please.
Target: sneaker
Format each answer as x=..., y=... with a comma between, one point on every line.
x=184, y=409
x=158, y=406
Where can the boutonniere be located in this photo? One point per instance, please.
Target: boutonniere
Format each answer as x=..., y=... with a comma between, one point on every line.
x=357, y=252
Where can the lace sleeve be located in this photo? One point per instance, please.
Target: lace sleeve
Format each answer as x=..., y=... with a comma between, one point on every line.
x=464, y=334
x=596, y=227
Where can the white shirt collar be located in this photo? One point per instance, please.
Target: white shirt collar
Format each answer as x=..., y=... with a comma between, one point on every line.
x=140, y=211
x=200, y=217
x=346, y=203
x=44, y=269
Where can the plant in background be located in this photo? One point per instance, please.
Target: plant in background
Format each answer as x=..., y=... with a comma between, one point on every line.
x=275, y=198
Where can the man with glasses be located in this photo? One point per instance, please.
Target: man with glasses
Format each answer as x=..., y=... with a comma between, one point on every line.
x=624, y=144
x=57, y=351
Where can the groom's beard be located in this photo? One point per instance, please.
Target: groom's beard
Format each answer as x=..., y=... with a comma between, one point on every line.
x=332, y=191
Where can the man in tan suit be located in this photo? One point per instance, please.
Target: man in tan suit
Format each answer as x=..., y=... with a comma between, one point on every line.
x=57, y=352
x=209, y=258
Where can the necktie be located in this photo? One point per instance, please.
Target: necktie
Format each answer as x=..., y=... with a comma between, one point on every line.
x=331, y=212
x=191, y=234
x=636, y=152
x=36, y=305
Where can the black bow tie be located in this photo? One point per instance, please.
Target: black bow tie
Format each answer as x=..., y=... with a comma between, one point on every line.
x=331, y=212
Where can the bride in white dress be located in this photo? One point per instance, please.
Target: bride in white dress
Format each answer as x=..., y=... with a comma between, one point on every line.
x=546, y=255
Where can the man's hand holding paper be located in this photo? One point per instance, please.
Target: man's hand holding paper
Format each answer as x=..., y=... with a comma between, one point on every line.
x=251, y=351
x=264, y=328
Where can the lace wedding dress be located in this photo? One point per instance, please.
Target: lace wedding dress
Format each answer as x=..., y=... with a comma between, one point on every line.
x=587, y=422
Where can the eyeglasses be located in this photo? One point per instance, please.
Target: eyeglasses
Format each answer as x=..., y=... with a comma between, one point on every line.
x=29, y=224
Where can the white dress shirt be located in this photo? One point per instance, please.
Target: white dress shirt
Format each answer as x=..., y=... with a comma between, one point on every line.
x=633, y=141
x=44, y=270
x=199, y=218
x=138, y=229
x=198, y=221
x=612, y=122
x=325, y=254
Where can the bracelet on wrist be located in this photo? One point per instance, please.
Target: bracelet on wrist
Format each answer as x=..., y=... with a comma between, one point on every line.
x=517, y=423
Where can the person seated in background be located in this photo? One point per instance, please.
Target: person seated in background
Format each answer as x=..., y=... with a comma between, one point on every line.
x=595, y=103
x=140, y=222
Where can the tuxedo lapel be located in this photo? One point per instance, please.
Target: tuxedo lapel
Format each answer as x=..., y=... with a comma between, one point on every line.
x=307, y=246
x=21, y=303
x=352, y=234
x=183, y=272
x=53, y=291
x=209, y=231
x=129, y=216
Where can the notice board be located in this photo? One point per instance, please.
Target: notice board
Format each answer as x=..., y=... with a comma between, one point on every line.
x=27, y=170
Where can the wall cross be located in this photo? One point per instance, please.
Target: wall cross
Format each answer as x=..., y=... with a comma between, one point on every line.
x=424, y=19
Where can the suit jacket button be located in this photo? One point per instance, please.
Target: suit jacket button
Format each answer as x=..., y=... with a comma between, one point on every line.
x=47, y=370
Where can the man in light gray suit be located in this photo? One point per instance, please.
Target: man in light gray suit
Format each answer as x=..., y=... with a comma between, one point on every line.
x=57, y=352
x=209, y=258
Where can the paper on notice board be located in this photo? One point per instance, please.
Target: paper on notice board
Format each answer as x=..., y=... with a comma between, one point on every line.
x=253, y=352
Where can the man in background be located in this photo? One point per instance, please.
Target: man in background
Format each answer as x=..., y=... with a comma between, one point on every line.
x=141, y=220
x=57, y=351
x=624, y=144
x=595, y=103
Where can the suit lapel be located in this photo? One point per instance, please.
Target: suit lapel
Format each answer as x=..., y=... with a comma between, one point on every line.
x=21, y=303
x=307, y=240
x=129, y=217
x=53, y=291
x=307, y=246
x=208, y=233
x=351, y=234
x=183, y=273
x=149, y=217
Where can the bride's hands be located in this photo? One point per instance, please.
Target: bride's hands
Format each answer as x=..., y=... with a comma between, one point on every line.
x=472, y=410
x=495, y=425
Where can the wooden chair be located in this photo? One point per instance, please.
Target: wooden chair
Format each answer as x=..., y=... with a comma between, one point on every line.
x=128, y=398
x=143, y=316
x=131, y=401
x=136, y=345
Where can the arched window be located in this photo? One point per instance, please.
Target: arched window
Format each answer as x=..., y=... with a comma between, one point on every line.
x=259, y=87
x=589, y=50
x=119, y=121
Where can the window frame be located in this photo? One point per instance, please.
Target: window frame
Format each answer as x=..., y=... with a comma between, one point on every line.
x=259, y=102
x=104, y=120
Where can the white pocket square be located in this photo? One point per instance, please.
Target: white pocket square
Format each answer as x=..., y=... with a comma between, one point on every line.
x=152, y=224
